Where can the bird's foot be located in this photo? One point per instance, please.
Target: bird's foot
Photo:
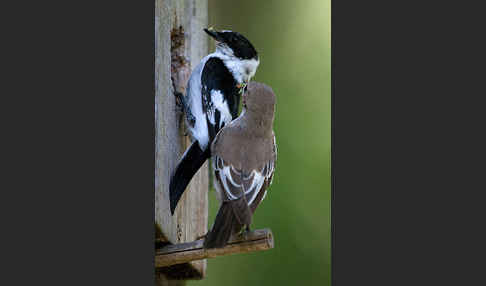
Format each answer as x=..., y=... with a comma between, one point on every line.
x=244, y=232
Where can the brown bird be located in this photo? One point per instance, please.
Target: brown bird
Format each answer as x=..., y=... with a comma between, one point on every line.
x=244, y=154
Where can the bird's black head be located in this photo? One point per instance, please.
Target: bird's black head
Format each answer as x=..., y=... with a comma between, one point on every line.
x=239, y=45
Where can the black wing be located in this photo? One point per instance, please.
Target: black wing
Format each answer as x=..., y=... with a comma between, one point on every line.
x=218, y=82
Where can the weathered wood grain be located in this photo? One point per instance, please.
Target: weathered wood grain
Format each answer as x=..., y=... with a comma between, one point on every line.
x=190, y=218
x=256, y=240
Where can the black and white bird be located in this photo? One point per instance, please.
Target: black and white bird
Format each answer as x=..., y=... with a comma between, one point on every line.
x=244, y=154
x=212, y=101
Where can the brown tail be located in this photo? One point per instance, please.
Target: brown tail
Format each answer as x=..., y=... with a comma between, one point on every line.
x=231, y=217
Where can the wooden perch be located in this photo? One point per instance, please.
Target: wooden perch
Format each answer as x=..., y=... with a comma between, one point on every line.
x=261, y=239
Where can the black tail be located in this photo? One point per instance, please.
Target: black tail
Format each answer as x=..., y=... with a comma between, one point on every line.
x=191, y=161
x=231, y=217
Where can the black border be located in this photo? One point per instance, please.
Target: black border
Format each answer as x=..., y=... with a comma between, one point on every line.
x=407, y=145
x=80, y=211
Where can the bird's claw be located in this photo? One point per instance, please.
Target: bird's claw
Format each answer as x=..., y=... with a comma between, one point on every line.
x=244, y=232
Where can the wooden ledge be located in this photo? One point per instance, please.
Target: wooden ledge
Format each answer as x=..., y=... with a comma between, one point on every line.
x=257, y=240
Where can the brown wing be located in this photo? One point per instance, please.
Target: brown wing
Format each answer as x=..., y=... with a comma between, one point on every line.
x=235, y=184
x=268, y=174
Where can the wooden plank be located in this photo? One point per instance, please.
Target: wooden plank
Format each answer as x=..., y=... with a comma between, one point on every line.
x=256, y=240
x=174, y=59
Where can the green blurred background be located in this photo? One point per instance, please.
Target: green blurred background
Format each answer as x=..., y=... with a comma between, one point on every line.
x=293, y=39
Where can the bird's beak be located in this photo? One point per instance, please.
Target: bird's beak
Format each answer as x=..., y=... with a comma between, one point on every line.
x=213, y=34
x=242, y=88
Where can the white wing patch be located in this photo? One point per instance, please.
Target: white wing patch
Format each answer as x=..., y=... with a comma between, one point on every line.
x=225, y=176
x=221, y=105
x=273, y=163
x=234, y=184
